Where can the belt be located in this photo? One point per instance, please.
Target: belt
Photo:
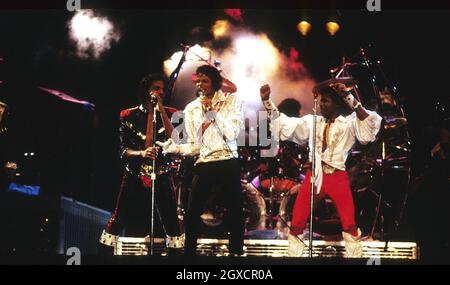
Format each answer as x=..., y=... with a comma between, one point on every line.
x=328, y=169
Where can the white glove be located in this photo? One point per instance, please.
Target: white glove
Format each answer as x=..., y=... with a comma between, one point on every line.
x=168, y=146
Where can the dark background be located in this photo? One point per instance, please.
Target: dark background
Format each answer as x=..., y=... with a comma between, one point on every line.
x=77, y=149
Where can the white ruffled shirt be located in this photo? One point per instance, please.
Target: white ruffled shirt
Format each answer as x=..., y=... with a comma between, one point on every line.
x=219, y=141
x=343, y=133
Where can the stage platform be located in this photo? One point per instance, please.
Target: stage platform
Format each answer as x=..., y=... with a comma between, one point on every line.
x=214, y=252
x=274, y=248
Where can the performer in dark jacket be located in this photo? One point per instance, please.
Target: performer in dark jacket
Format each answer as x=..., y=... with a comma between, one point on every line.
x=132, y=214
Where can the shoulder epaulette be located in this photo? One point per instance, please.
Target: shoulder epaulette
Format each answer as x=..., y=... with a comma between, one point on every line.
x=127, y=112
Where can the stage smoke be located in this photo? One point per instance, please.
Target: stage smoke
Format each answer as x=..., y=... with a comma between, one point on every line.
x=92, y=34
x=250, y=60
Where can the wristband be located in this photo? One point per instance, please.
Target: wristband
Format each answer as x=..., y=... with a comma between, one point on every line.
x=350, y=100
x=269, y=105
x=356, y=106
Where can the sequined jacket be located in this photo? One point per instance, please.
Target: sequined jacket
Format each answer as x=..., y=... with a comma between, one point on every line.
x=133, y=126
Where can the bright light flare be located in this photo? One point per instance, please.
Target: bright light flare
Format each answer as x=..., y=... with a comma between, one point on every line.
x=304, y=27
x=92, y=35
x=332, y=28
x=220, y=29
x=194, y=54
x=249, y=61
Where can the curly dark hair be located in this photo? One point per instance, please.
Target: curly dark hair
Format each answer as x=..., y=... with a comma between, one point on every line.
x=213, y=74
x=343, y=108
x=290, y=107
x=146, y=82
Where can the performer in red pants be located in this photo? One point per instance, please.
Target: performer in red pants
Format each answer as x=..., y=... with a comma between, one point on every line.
x=336, y=186
x=343, y=121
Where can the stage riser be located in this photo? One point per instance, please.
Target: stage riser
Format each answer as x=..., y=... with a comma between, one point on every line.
x=274, y=248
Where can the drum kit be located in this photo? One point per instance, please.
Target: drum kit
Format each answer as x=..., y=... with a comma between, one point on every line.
x=379, y=172
x=275, y=181
x=266, y=184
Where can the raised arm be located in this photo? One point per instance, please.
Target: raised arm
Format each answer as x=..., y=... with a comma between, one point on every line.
x=287, y=128
x=366, y=124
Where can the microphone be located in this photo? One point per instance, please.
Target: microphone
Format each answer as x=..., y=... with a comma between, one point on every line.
x=185, y=46
x=153, y=98
x=199, y=92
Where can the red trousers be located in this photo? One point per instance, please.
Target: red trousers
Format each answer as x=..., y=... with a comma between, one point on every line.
x=337, y=187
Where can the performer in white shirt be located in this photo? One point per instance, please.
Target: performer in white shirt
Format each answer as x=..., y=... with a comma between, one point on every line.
x=212, y=123
x=335, y=136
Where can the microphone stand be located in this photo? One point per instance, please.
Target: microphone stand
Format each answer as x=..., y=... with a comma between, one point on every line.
x=313, y=175
x=167, y=97
x=153, y=178
x=379, y=212
x=174, y=75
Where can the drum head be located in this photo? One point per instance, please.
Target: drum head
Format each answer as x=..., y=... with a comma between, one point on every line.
x=253, y=206
x=254, y=209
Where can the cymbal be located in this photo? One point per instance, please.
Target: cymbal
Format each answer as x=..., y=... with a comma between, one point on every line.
x=394, y=122
x=397, y=159
x=399, y=147
x=66, y=97
x=348, y=81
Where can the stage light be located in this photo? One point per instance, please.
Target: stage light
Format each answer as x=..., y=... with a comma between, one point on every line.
x=220, y=29
x=304, y=27
x=332, y=27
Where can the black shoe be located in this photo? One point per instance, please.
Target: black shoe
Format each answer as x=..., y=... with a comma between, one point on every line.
x=105, y=250
x=236, y=253
x=190, y=253
x=174, y=251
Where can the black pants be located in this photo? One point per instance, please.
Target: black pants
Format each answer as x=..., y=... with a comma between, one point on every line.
x=133, y=208
x=225, y=174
